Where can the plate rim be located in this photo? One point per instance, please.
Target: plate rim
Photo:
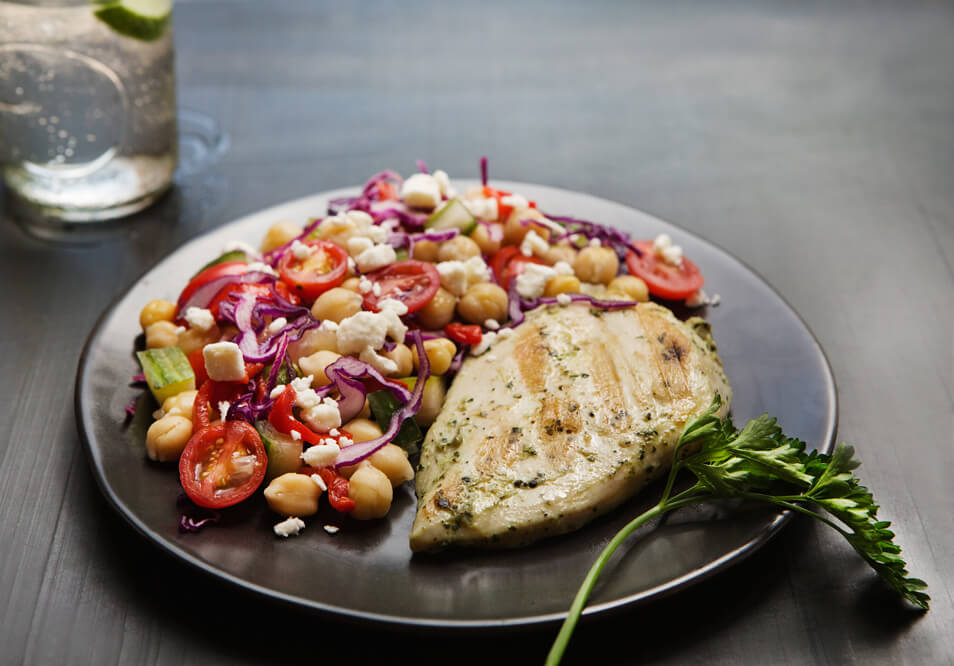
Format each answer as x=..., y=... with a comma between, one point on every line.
x=668, y=588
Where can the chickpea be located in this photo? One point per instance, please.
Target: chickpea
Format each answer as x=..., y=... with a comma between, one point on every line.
x=313, y=340
x=482, y=236
x=431, y=401
x=392, y=460
x=156, y=310
x=336, y=304
x=371, y=491
x=279, y=234
x=192, y=338
x=562, y=252
x=362, y=430
x=315, y=364
x=351, y=284
x=562, y=284
x=514, y=230
x=439, y=311
x=184, y=402
x=402, y=357
x=483, y=301
x=598, y=265
x=166, y=438
x=440, y=352
x=459, y=248
x=425, y=250
x=365, y=412
x=228, y=332
x=293, y=494
x=629, y=287
x=161, y=334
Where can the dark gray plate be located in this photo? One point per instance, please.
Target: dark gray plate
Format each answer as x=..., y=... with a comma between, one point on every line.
x=367, y=571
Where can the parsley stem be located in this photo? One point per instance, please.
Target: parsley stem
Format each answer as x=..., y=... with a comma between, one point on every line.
x=576, y=609
x=790, y=503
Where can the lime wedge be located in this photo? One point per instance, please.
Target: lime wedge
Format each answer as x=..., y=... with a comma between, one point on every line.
x=146, y=20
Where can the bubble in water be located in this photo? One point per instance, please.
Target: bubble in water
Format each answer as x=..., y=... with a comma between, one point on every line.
x=50, y=129
x=62, y=134
x=68, y=152
x=19, y=90
x=54, y=119
x=91, y=137
x=41, y=121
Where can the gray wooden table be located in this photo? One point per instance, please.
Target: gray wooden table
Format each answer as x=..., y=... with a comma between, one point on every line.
x=815, y=141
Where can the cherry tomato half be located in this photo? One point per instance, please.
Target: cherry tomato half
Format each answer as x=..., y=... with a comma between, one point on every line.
x=662, y=279
x=208, y=275
x=324, y=269
x=210, y=394
x=509, y=262
x=503, y=210
x=222, y=464
x=412, y=282
x=387, y=191
x=464, y=334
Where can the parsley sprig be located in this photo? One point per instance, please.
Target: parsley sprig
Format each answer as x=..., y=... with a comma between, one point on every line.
x=761, y=464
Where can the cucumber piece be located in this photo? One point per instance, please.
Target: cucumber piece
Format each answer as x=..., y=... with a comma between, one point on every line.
x=383, y=404
x=452, y=214
x=401, y=254
x=284, y=453
x=167, y=372
x=233, y=255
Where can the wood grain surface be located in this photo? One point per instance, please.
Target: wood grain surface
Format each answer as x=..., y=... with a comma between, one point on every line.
x=815, y=141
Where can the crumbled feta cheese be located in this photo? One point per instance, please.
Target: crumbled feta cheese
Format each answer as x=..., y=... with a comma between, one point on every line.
x=376, y=289
x=321, y=455
x=358, y=244
x=307, y=398
x=323, y=417
x=179, y=330
x=443, y=182
x=359, y=218
x=533, y=244
x=595, y=242
x=302, y=383
x=240, y=246
x=199, y=318
x=260, y=267
x=515, y=201
x=399, y=308
x=715, y=300
x=504, y=333
x=320, y=482
x=491, y=357
x=485, y=209
x=276, y=326
x=491, y=324
x=277, y=391
x=301, y=251
x=375, y=257
x=223, y=409
x=421, y=191
x=328, y=325
x=453, y=276
x=295, y=435
x=291, y=526
x=224, y=361
x=477, y=270
x=334, y=432
x=486, y=340
x=382, y=364
x=562, y=268
x=533, y=280
x=370, y=329
x=346, y=441
x=564, y=299
x=331, y=529
x=697, y=300
x=365, y=285
x=665, y=250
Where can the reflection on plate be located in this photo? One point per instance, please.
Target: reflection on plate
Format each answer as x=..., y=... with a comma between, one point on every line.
x=366, y=570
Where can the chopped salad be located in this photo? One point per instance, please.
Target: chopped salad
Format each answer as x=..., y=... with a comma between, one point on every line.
x=313, y=364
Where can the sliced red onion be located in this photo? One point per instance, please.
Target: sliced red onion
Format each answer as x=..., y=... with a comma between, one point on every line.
x=130, y=409
x=346, y=375
x=458, y=359
x=137, y=378
x=494, y=231
x=204, y=294
x=189, y=524
x=483, y=170
x=352, y=455
x=422, y=167
x=514, y=306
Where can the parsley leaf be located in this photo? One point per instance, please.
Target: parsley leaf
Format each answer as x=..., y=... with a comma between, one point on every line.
x=760, y=464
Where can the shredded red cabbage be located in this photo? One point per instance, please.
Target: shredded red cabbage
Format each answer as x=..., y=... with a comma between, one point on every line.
x=352, y=455
x=189, y=524
x=614, y=238
x=458, y=359
x=347, y=375
x=139, y=378
x=204, y=294
x=130, y=409
x=422, y=166
x=483, y=170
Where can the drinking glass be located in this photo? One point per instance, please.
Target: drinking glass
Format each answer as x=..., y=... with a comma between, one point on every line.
x=87, y=105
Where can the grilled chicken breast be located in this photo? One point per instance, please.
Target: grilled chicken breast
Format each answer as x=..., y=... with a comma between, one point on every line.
x=562, y=420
